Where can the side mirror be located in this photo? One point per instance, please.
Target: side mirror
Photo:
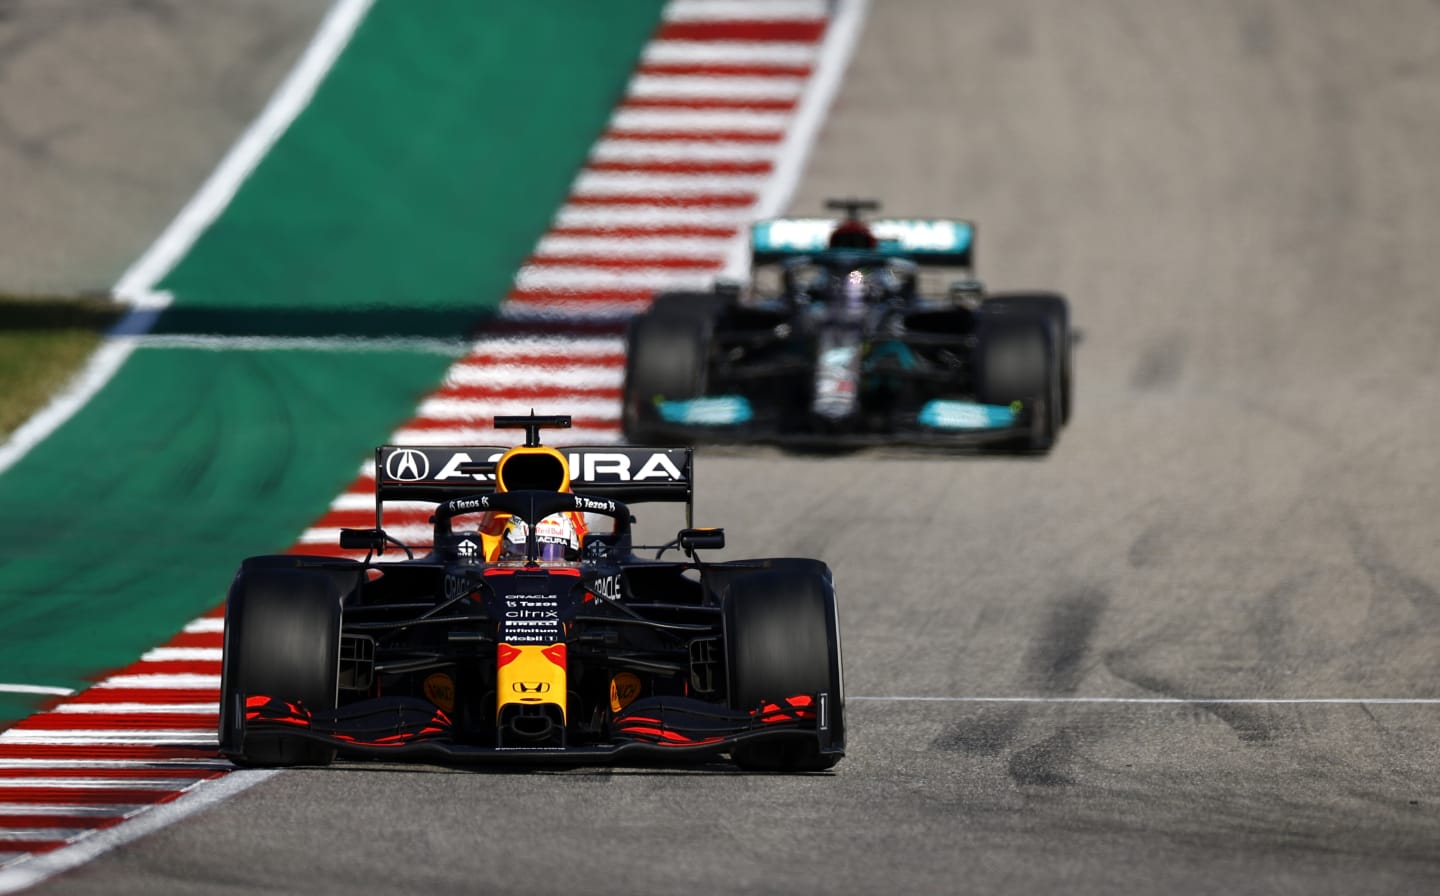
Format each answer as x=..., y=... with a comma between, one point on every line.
x=362, y=540
x=968, y=291
x=692, y=540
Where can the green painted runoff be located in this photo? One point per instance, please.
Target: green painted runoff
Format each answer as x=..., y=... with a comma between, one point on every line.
x=435, y=155
x=400, y=202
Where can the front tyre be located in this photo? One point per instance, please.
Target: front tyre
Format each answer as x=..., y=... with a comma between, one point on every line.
x=1016, y=362
x=666, y=358
x=782, y=640
x=282, y=640
x=1054, y=310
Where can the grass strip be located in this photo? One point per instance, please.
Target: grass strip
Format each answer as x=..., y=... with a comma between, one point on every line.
x=44, y=341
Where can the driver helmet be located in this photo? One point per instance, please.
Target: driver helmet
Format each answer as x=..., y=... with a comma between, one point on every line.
x=855, y=290
x=555, y=535
x=852, y=235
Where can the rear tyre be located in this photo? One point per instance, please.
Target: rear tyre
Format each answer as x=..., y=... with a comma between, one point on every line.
x=282, y=640
x=666, y=358
x=1015, y=361
x=782, y=639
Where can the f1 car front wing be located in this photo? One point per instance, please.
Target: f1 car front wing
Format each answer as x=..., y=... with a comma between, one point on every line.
x=649, y=728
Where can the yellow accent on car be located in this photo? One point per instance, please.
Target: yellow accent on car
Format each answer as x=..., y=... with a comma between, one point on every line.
x=538, y=467
x=624, y=688
x=440, y=690
x=530, y=676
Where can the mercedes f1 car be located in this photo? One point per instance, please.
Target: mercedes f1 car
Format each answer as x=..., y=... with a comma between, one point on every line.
x=532, y=650
x=838, y=339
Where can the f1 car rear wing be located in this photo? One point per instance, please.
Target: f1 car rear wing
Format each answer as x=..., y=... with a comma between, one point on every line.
x=937, y=242
x=436, y=473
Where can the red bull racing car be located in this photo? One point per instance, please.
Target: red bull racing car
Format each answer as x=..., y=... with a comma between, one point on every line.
x=509, y=639
x=843, y=337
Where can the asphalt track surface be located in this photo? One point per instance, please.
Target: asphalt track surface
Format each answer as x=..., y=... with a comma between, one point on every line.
x=1241, y=199
x=112, y=112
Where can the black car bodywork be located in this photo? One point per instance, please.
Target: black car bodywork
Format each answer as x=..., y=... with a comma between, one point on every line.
x=603, y=657
x=840, y=341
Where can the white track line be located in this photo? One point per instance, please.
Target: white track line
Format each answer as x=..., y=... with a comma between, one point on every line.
x=181, y=654
x=468, y=409
x=702, y=52
x=181, y=682
x=35, y=689
x=681, y=151
x=90, y=380
x=648, y=216
x=289, y=100
x=639, y=183
x=137, y=284
x=570, y=377
x=491, y=347
x=38, y=833
x=698, y=121
x=199, y=797
x=695, y=87
x=632, y=247
x=86, y=737
x=204, y=342
x=77, y=783
x=206, y=708
x=743, y=10
x=41, y=810
x=545, y=277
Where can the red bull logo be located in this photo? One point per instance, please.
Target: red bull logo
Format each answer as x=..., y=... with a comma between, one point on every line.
x=530, y=674
x=624, y=688
x=440, y=690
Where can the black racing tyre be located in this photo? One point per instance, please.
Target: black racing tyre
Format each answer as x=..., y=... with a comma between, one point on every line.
x=695, y=305
x=344, y=572
x=667, y=356
x=782, y=639
x=1055, y=309
x=1015, y=361
x=282, y=640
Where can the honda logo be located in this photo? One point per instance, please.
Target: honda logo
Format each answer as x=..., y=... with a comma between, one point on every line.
x=407, y=465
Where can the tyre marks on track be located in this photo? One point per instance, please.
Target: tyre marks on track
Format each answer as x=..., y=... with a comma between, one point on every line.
x=687, y=159
x=1055, y=665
